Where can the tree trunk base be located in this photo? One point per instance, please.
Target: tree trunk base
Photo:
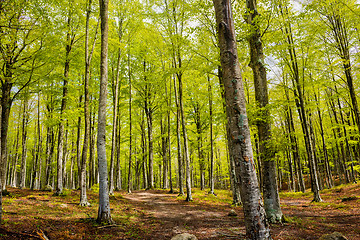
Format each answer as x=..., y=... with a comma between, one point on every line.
x=317, y=199
x=84, y=203
x=105, y=219
x=212, y=193
x=58, y=193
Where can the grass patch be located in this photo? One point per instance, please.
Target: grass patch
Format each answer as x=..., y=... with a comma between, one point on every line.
x=202, y=196
x=295, y=194
x=330, y=205
x=61, y=217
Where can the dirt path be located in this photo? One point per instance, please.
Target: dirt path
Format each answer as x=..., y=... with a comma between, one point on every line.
x=165, y=216
x=176, y=217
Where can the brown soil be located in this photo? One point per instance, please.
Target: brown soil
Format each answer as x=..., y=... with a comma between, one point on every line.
x=175, y=217
x=157, y=214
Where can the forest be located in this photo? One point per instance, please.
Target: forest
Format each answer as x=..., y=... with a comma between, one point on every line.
x=115, y=115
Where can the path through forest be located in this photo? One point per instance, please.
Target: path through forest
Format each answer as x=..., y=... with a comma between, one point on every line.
x=156, y=214
x=206, y=222
x=167, y=216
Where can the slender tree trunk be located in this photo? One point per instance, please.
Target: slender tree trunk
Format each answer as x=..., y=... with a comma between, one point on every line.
x=211, y=177
x=184, y=132
x=129, y=186
x=350, y=176
x=294, y=145
x=92, y=169
x=239, y=139
x=82, y=173
x=118, y=143
x=164, y=149
x=337, y=135
x=198, y=123
x=115, y=113
x=25, y=123
x=104, y=215
x=270, y=187
x=168, y=136
x=69, y=42
x=38, y=164
x=325, y=152
x=179, y=149
x=50, y=145
x=340, y=34
x=16, y=157
x=144, y=152
x=149, y=120
x=66, y=153
x=78, y=146
x=300, y=103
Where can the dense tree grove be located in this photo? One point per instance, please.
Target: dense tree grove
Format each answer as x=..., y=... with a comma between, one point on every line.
x=167, y=120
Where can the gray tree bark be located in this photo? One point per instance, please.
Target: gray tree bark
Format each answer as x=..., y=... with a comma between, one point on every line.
x=267, y=153
x=185, y=138
x=129, y=184
x=88, y=57
x=178, y=138
x=60, y=156
x=104, y=215
x=239, y=139
x=25, y=122
x=115, y=113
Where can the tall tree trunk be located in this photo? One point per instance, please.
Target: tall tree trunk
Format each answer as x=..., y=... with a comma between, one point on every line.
x=350, y=175
x=50, y=145
x=325, y=152
x=60, y=156
x=25, y=123
x=104, y=215
x=184, y=132
x=38, y=162
x=13, y=182
x=198, y=123
x=129, y=185
x=164, y=150
x=78, y=146
x=92, y=169
x=337, y=135
x=179, y=148
x=300, y=104
x=168, y=136
x=118, y=143
x=88, y=57
x=149, y=120
x=294, y=144
x=239, y=139
x=66, y=153
x=144, y=152
x=116, y=81
x=211, y=177
x=6, y=102
x=234, y=181
x=340, y=34
x=270, y=187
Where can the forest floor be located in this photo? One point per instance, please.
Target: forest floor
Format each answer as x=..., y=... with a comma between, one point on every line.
x=156, y=214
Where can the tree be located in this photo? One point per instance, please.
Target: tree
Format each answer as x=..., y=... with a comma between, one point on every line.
x=239, y=141
x=267, y=153
x=88, y=57
x=70, y=41
x=300, y=101
x=104, y=215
